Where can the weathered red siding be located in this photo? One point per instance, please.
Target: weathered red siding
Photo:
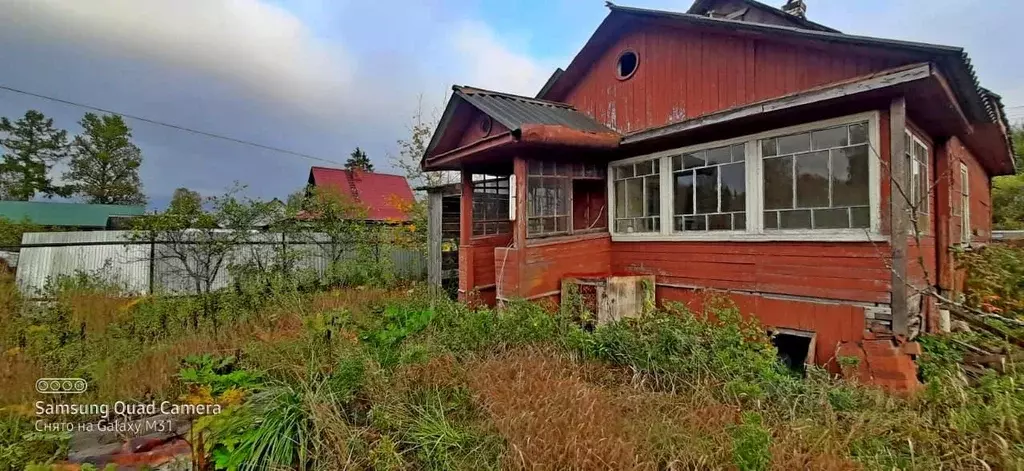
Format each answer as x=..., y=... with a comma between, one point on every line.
x=478, y=256
x=544, y=264
x=472, y=131
x=688, y=73
x=832, y=323
x=837, y=271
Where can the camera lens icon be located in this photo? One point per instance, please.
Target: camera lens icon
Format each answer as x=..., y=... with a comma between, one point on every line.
x=61, y=385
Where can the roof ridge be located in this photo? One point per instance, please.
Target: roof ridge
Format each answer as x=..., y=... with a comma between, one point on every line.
x=468, y=90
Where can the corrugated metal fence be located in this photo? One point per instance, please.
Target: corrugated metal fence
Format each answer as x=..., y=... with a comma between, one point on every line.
x=140, y=267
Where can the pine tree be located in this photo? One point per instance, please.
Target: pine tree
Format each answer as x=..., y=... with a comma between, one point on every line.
x=359, y=161
x=104, y=167
x=33, y=146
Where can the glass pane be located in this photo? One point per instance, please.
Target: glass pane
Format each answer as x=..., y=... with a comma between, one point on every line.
x=739, y=152
x=720, y=155
x=798, y=219
x=652, y=197
x=831, y=218
x=634, y=197
x=828, y=138
x=720, y=222
x=624, y=171
x=734, y=187
x=860, y=217
x=645, y=168
x=620, y=199
x=771, y=219
x=707, y=190
x=739, y=221
x=923, y=188
x=692, y=160
x=548, y=224
x=694, y=223
x=850, y=176
x=535, y=167
x=794, y=143
x=778, y=183
x=683, y=195
x=677, y=162
x=920, y=152
x=812, y=180
x=859, y=133
x=623, y=225
x=769, y=147
x=923, y=223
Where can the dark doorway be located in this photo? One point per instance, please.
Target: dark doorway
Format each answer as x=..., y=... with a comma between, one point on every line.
x=795, y=348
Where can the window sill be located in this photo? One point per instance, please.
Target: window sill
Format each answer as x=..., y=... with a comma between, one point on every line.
x=780, y=236
x=562, y=239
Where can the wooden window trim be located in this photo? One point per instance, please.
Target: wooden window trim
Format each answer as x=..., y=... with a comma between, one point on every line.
x=754, y=171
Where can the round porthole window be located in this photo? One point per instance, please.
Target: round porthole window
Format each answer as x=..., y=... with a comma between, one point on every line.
x=485, y=125
x=626, y=66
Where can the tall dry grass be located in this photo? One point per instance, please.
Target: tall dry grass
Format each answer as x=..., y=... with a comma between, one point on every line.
x=551, y=417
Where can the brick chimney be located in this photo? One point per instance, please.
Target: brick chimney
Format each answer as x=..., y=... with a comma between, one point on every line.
x=796, y=8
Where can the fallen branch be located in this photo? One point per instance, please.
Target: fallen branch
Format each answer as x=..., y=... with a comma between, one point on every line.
x=974, y=320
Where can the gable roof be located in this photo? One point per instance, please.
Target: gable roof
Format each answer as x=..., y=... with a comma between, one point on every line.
x=379, y=192
x=514, y=112
x=50, y=213
x=953, y=60
x=702, y=7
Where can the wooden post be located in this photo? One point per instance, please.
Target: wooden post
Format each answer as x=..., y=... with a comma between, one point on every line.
x=943, y=214
x=519, y=229
x=520, y=168
x=899, y=226
x=466, y=236
x=434, y=240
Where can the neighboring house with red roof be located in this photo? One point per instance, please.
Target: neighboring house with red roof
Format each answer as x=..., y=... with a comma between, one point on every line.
x=383, y=195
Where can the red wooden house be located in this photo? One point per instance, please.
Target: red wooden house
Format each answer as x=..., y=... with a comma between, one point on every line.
x=817, y=178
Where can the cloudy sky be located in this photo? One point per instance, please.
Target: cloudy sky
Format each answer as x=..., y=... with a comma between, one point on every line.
x=321, y=77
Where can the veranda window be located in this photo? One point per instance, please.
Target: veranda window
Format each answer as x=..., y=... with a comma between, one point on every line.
x=490, y=206
x=965, y=206
x=637, y=196
x=710, y=188
x=817, y=179
x=916, y=188
x=813, y=181
x=561, y=198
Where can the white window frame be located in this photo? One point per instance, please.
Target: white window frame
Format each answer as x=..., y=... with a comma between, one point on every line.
x=914, y=163
x=755, y=207
x=965, y=205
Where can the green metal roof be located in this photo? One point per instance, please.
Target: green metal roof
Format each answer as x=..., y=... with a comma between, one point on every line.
x=46, y=213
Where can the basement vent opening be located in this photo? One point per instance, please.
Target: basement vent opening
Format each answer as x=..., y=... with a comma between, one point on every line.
x=626, y=66
x=795, y=348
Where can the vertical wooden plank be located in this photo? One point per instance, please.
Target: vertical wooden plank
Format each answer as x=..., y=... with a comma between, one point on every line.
x=434, y=239
x=465, y=236
x=943, y=213
x=519, y=167
x=900, y=224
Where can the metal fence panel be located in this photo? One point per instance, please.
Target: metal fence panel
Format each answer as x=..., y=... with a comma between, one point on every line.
x=108, y=253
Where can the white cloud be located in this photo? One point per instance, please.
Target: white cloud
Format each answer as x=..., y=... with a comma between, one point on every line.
x=257, y=46
x=490, y=64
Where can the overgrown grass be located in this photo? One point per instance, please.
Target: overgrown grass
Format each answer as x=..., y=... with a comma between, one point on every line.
x=376, y=379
